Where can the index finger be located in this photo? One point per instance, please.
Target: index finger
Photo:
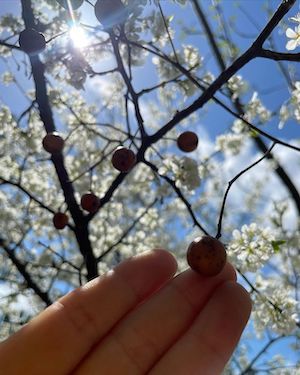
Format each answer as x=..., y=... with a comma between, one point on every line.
x=55, y=341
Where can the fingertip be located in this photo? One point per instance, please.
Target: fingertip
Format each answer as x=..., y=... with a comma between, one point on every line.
x=156, y=267
x=231, y=271
x=159, y=259
x=166, y=258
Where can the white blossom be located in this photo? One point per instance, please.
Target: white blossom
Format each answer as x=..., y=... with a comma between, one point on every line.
x=255, y=108
x=185, y=171
x=251, y=247
x=296, y=18
x=274, y=307
x=230, y=143
x=294, y=35
x=291, y=107
x=295, y=100
x=284, y=115
x=208, y=78
x=7, y=78
x=237, y=85
x=239, y=127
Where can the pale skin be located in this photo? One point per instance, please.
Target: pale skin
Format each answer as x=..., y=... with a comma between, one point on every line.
x=137, y=319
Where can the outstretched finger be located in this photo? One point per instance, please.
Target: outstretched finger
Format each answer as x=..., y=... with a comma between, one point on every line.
x=207, y=346
x=142, y=337
x=55, y=341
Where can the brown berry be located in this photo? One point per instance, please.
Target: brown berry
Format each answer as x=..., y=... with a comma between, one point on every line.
x=74, y=4
x=123, y=159
x=110, y=12
x=32, y=42
x=53, y=143
x=90, y=202
x=187, y=141
x=60, y=220
x=206, y=255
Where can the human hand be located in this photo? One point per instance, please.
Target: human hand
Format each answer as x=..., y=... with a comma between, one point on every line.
x=134, y=320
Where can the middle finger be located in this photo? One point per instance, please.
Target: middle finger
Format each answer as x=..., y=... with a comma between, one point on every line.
x=142, y=337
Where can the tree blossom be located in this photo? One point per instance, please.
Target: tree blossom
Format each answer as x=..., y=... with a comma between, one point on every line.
x=284, y=115
x=290, y=108
x=294, y=35
x=239, y=127
x=274, y=307
x=185, y=170
x=296, y=18
x=255, y=108
x=230, y=143
x=295, y=99
x=251, y=247
x=7, y=78
x=237, y=85
x=188, y=56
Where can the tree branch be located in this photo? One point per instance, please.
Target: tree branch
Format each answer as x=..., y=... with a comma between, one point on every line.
x=179, y=194
x=219, y=102
x=251, y=53
x=134, y=95
x=284, y=177
x=21, y=267
x=127, y=231
x=279, y=56
x=231, y=182
x=81, y=224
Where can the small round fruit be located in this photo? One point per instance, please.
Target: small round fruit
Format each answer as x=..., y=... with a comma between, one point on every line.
x=53, y=143
x=90, y=202
x=206, y=255
x=32, y=42
x=123, y=159
x=60, y=220
x=187, y=141
x=75, y=4
x=110, y=12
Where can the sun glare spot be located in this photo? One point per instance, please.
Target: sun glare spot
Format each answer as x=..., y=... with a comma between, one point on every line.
x=78, y=37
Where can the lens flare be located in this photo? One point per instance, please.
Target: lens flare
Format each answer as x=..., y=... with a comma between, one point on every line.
x=78, y=37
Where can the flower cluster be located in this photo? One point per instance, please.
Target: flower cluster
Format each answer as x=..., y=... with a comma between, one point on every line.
x=290, y=109
x=237, y=85
x=185, y=171
x=7, y=78
x=188, y=56
x=274, y=307
x=230, y=143
x=239, y=127
x=251, y=247
x=255, y=108
x=294, y=35
x=295, y=100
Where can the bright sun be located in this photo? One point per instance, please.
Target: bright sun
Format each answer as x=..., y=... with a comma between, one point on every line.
x=78, y=36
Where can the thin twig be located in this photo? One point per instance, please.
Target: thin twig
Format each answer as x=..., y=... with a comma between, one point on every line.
x=21, y=267
x=182, y=115
x=127, y=231
x=134, y=96
x=168, y=32
x=179, y=194
x=231, y=182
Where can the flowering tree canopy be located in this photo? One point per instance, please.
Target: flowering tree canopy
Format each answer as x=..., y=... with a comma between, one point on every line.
x=142, y=124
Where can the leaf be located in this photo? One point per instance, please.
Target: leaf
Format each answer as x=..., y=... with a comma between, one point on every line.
x=276, y=245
